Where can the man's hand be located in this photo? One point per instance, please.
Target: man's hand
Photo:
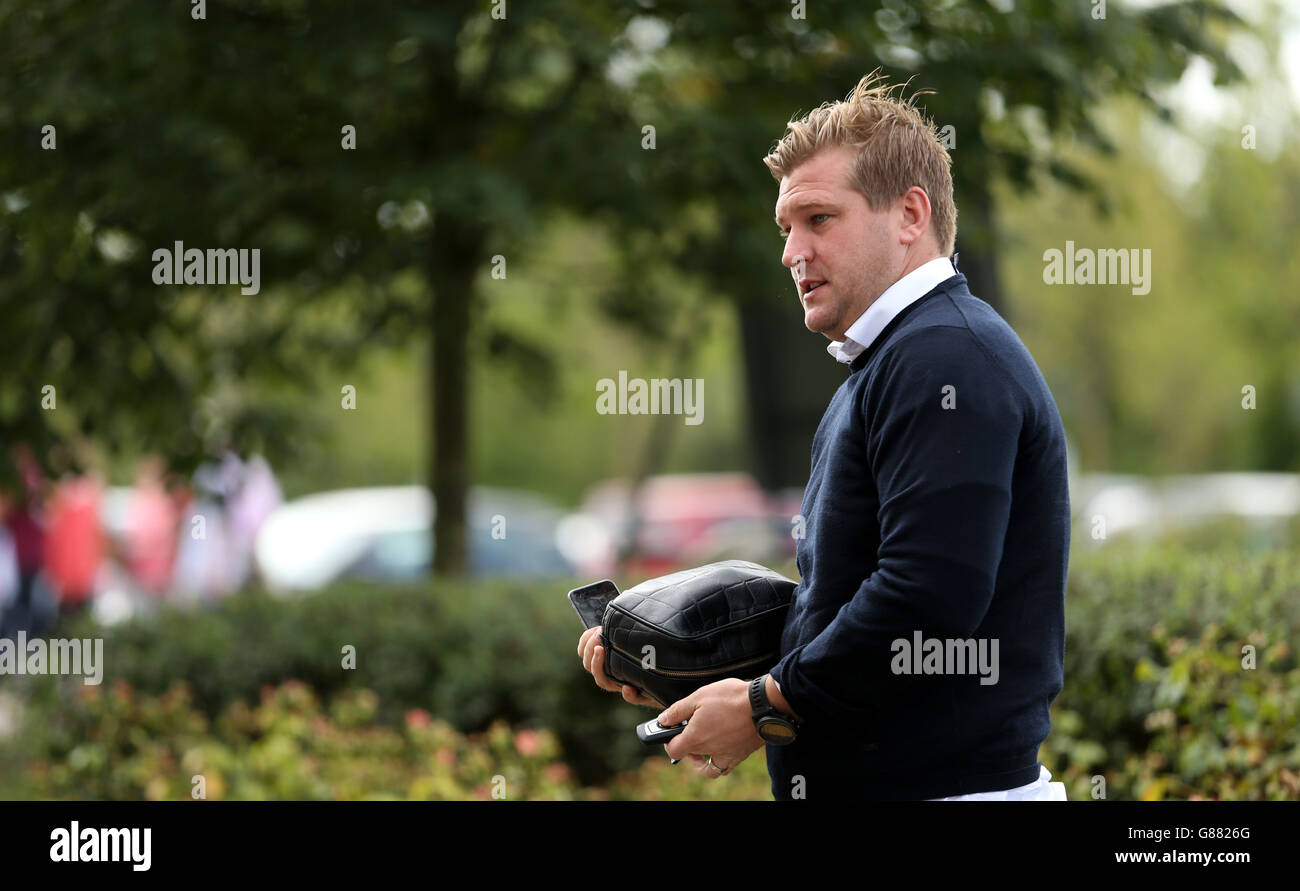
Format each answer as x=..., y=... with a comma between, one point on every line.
x=593, y=660
x=722, y=726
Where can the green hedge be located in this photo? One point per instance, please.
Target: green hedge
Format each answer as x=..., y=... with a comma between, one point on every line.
x=470, y=653
x=134, y=746
x=1156, y=700
x=1156, y=697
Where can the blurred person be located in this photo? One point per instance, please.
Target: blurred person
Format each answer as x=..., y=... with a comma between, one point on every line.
x=203, y=569
x=25, y=522
x=75, y=545
x=256, y=494
x=151, y=527
x=937, y=507
x=10, y=579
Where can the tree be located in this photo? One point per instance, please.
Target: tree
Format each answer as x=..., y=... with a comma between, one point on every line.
x=376, y=159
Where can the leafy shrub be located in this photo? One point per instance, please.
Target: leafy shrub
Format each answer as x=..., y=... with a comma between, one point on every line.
x=658, y=779
x=1156, y=697
x=469, y=653
x=130, y=746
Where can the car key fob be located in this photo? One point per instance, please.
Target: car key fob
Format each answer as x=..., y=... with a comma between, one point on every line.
x=652, y=731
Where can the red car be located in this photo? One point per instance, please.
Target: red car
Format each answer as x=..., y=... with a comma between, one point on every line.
x=683, y=520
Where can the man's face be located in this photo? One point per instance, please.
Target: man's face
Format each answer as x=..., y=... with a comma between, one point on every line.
x=836, y=238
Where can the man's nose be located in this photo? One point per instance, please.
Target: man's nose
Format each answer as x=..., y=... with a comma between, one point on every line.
x=795, y=254
x=797, y=261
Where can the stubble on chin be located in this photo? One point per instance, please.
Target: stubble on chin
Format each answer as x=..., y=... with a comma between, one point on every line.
x=823, y=329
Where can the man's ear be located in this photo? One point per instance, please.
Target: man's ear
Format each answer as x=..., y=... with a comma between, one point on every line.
x=916, y=215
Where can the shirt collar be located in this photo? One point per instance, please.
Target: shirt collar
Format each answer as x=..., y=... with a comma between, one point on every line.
x=897, y=297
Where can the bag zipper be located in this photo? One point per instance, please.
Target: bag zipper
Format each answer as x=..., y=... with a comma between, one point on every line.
x=695, y=674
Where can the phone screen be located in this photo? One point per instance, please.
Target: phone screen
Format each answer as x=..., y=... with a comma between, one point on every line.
x=590, y=601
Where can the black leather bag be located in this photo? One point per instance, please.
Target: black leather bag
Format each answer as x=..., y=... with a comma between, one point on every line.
x=718, y=621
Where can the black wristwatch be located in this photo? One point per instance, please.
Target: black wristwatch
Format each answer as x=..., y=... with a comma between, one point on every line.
x=775, y=728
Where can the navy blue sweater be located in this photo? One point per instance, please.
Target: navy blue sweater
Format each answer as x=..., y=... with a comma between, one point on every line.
x=937, y=503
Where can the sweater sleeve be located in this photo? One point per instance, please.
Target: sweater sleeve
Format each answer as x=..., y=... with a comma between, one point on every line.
x=942, y=422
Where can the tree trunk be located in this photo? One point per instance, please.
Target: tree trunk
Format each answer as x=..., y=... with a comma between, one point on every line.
x=789, y=377
x=977, y=249
x=455, y=258
x=789, y=381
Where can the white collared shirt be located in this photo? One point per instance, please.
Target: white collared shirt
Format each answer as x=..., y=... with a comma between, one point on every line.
x=1041, y=789
x=897, y=297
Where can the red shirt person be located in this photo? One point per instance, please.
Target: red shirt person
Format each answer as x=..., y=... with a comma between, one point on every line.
x=74, y=544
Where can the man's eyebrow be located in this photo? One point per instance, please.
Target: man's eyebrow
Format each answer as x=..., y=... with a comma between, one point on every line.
x=806, y=204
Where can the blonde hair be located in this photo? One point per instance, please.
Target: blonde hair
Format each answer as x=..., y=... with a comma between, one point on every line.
x=898, y=147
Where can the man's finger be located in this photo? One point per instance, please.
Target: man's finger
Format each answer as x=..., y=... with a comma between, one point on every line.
x=640, y=697
x=598, y=672
x=680, y=745
x=590, y=638
x=595, y=657
x=679, y=711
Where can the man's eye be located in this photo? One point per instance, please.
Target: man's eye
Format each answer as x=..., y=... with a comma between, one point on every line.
x=816, y=215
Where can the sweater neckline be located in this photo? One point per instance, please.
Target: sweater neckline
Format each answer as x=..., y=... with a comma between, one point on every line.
x=861, y=361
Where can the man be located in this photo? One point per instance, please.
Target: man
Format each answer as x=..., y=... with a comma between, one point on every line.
x=924, y=645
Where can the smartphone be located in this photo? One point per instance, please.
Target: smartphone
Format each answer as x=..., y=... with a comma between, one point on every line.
x=652, y=731
x=590, y=601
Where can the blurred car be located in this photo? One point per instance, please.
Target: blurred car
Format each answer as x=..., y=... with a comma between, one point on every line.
x=385, y=534
x=1148, y=506
x=677, y=520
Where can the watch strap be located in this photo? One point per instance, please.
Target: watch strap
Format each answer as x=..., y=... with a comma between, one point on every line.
x=758, y=700
x=762, y=706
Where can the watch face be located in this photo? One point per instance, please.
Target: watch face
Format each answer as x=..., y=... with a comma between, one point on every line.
x=776, y=732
